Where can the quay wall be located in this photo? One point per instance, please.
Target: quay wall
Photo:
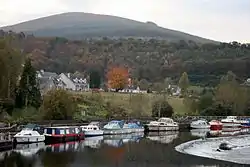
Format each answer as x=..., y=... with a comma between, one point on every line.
x=184, y=121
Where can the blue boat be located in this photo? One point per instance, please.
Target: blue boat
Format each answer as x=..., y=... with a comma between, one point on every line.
x=136, y=126
x=116, y=127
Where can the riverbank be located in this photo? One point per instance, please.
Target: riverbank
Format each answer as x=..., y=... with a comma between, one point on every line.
x=131, y=101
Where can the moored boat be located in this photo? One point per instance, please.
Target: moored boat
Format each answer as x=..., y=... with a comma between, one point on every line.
x=163, y=124
x=135, y=126
x=116, y=127
x=31, y=133
x=93, y=129
x=200, y=124
x=63, y=134
x=245, y=123
x=215, y=125
x=231, y=121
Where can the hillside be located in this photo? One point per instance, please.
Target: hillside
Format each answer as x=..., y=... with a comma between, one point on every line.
x=85, y=25
x=153, y=60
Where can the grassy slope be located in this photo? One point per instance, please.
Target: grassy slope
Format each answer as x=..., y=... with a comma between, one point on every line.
x=143, y=101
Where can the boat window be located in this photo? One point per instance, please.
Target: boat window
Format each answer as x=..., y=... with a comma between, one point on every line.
x=95, y=128
x=67, y=131
x=57, y=131
x=62, y=131
x=48, y=131
x=76, y=130
x=71, y=130
x=53, y=131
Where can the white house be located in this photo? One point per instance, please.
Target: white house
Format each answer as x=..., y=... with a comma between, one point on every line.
x=75, y=84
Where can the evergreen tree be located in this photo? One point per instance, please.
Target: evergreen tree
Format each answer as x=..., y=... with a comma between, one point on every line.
x=28, y=93
x=95, y=79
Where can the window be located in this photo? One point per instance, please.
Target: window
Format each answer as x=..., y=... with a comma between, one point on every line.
x=62, y=131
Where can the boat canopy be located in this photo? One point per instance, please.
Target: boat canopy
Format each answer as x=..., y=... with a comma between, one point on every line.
x=31, y=127
x=167, y=120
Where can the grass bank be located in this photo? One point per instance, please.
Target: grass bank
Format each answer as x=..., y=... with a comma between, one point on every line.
x=138, y=104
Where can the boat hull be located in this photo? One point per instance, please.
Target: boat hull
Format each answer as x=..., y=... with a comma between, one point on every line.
x=63, y=138
x=199, y=126
x=216, y=127
x=117, y=131
x=162, y=128
x=231, y=124
x=29, y=139
x=93, y=133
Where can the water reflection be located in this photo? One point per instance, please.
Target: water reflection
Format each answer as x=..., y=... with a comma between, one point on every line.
x=29, y=150
x=152, y=150
x=119, y=140
x=199, y=132
x=93, y=142
x=163, y=137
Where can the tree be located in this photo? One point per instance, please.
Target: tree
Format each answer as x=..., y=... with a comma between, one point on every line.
x=205, y=101
x=58, y=104
x=28, y=93
x=143, y=84
x=95, y=79
x=184, y=83
x=10, y=65
x=117, y=78
x=162, y=108
x=230, y=93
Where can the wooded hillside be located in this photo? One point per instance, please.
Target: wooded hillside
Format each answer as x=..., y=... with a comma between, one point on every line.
x=153, y=60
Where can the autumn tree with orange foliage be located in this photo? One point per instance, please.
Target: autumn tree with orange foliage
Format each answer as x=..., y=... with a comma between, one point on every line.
x=117, y=78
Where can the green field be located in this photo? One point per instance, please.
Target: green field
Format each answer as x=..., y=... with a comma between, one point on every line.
x=140, y=102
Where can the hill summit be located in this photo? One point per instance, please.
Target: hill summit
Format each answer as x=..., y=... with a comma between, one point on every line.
x=86, y=25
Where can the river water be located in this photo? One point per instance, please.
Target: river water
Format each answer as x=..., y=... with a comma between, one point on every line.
x=137, y=150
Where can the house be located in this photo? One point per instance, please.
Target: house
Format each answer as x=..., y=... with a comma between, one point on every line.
x=74, y=83
x=46, y=81
x=51, y=80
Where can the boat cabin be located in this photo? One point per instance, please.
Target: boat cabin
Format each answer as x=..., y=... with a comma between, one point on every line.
x=62, y=130
x=166, y=120
x=33, y=127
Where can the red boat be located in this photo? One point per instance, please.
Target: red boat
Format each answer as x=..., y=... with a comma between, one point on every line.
x=215, y=125
x=63, y=134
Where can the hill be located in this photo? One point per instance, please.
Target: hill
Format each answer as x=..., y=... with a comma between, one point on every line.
x=152, y=60
x=78, y=26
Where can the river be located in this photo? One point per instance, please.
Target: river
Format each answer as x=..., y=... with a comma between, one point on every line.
x=137, y=150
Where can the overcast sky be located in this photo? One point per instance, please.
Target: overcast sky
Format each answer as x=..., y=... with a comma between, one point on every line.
x=223, y=20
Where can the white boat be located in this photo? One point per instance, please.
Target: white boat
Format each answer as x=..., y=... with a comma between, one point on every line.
x=231, y=121
x=163, y=124
x=31, y=133
x=116, y=127
x=93, y=129
x=200, y=124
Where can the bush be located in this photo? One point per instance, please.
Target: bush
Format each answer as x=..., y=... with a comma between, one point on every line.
x=58, y=105
x=217, y=110
x=165, y=109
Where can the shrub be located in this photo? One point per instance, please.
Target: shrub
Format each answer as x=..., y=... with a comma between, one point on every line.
x=163, y=108
x=58, y=104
